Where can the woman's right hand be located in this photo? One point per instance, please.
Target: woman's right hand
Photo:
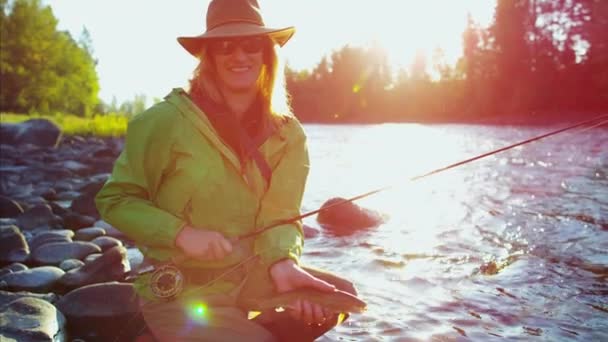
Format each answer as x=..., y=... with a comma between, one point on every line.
x=203, y=244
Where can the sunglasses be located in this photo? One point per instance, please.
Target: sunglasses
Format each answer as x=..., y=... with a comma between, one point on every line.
x=250, y=45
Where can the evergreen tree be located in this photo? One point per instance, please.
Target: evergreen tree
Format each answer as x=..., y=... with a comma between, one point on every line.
x=41, y=68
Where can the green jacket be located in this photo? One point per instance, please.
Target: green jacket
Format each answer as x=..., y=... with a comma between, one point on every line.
x=176, y=170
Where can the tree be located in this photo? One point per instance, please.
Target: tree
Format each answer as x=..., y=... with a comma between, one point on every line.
x=41, y=68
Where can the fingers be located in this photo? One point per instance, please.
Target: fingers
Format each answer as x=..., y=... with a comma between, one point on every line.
x=309, y=313
x=207, y=245
x=319, y=284
x=226, y=245
x=296, y=309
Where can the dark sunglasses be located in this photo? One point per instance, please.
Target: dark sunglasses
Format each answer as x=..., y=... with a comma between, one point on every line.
x=249, y=45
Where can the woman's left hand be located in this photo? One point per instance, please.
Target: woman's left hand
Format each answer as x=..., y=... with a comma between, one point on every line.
x=288, y=276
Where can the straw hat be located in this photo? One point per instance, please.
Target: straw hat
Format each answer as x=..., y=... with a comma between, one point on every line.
x=234, y=18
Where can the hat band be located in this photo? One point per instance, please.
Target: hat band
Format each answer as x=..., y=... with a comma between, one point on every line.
x=235, y=21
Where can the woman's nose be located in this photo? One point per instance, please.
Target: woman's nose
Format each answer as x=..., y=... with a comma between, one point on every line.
x=239, y=54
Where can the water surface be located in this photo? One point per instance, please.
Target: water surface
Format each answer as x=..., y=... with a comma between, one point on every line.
x=509, y=247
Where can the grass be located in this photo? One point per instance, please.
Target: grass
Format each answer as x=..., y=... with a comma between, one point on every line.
x=98, y=125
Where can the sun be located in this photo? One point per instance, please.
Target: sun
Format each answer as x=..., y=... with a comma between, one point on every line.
x=401, y=28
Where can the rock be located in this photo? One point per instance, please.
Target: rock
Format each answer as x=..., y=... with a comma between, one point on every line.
x=76, y=221
x=92, y=257
x=110, y=230
x=57, y=209
x=345, y=218
x=39, y=216
x=9, y=207
x=91, y=314
x=14, y=267
x=38, y=132
x=7, y=297
x=93, y=187
x=54, y=253
x=85, y=205
x=8, y=221
x=106, y=242
x=112, y=265
x=69, y=195
x=74, y=167
x=43, y=238
x=70, y=264
x=14, y=247
x=38, y=279
x=31, y=319
x=88, y=234
x=49, y=194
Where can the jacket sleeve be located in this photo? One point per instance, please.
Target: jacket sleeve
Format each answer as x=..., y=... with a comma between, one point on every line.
x=283, y=200
x=126, y=199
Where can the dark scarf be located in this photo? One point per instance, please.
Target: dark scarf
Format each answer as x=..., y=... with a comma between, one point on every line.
x=230, y=129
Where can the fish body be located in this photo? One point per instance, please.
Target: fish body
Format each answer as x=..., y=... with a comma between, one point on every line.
x=336, y=301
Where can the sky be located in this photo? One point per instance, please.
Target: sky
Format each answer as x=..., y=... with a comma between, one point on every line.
x=135, y=43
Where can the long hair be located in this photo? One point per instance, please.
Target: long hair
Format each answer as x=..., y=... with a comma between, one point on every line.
x=270, y=83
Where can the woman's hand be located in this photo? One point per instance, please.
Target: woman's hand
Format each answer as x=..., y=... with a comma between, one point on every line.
x=288, y=276
x=202, y=244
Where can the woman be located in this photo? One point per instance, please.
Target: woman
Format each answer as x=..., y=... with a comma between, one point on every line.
x=202, y=168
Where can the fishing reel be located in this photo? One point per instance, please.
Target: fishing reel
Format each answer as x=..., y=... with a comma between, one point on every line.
x=167, y=282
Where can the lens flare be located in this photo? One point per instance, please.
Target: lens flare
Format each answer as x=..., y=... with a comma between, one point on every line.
x=198, y=311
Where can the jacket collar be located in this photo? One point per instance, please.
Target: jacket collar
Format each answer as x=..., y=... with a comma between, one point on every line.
x=199, y=119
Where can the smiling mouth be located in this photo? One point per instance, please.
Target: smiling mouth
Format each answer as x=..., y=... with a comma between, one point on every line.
x=240, y=69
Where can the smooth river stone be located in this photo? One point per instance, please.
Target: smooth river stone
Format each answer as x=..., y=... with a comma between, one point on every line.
x=40, y=216
x=88, y=234
x=31, y=319
x=14, y=247
x=106, y=242
x=54, y=253
x=110, y=266
x=37, y=279
x=7, y=297
x=90, y=312
x=43, y=238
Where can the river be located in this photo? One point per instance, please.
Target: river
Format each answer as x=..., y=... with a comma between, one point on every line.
x=511, y=247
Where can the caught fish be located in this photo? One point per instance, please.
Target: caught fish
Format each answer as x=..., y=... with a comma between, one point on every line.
x=336, y=301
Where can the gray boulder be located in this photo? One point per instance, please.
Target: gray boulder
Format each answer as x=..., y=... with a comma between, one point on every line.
x=37, y=279
x=91, y=315
x=112, y=265
x=31, y=319
x=7, y=297
x=88, y=234
x=9, y=207
x=43, y=238
x=54, y=253
x=39, y=216
x=106, y=242
x=39, y=132
x=14, y=267
x=76, y=221
x=14, y=246
x=71, y=264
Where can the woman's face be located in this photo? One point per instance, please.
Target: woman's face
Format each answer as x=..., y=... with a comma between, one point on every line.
x=238, y=62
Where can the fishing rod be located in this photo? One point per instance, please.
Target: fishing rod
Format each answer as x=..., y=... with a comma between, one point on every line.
x=167, y=280
x=421, y=176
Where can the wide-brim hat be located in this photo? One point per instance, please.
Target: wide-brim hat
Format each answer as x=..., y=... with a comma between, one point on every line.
x=234, y=18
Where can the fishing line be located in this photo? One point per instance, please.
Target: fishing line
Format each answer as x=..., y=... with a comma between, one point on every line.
x=415, y=178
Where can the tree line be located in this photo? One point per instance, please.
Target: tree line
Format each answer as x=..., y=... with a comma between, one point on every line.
x=43, y=69
x=538, y=60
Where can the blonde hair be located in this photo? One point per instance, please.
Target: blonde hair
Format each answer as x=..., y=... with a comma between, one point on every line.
x=271, y=81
